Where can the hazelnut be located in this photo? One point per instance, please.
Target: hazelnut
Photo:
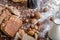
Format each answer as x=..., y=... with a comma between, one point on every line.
x=31, y=26
x=45, y=9
x=51, y=19
x=32, y=15
x=21, y=32
x=33, y=21
x=36, y=27
x=38, y=15
x=29, y=29
x=26, y=21
x=39, y=23
x=31, y=32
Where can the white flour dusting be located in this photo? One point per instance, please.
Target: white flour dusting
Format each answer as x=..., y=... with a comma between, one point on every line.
x=53, y=6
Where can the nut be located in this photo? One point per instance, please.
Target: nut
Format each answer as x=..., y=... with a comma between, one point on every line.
x=31, y=32
x=34, y=30
x=29, y=29
x=51, y=18
x=39, y=23
x=21, y=32
x=25, y=20
x=31, y=26
x=36, y=27
x=28, y=15
x=45, y=9
x=33, y=21
x=38, y=15
x=32, y=15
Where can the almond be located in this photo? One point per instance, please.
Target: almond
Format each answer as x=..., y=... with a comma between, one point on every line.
x=31, y=33
x=33, y=21
x=38, y=15
x=36, y=27
x=21, y=32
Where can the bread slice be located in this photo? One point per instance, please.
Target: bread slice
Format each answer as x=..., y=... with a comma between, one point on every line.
x=12, y=26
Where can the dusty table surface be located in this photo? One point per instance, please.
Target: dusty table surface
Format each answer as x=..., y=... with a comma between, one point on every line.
x=52, y=9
